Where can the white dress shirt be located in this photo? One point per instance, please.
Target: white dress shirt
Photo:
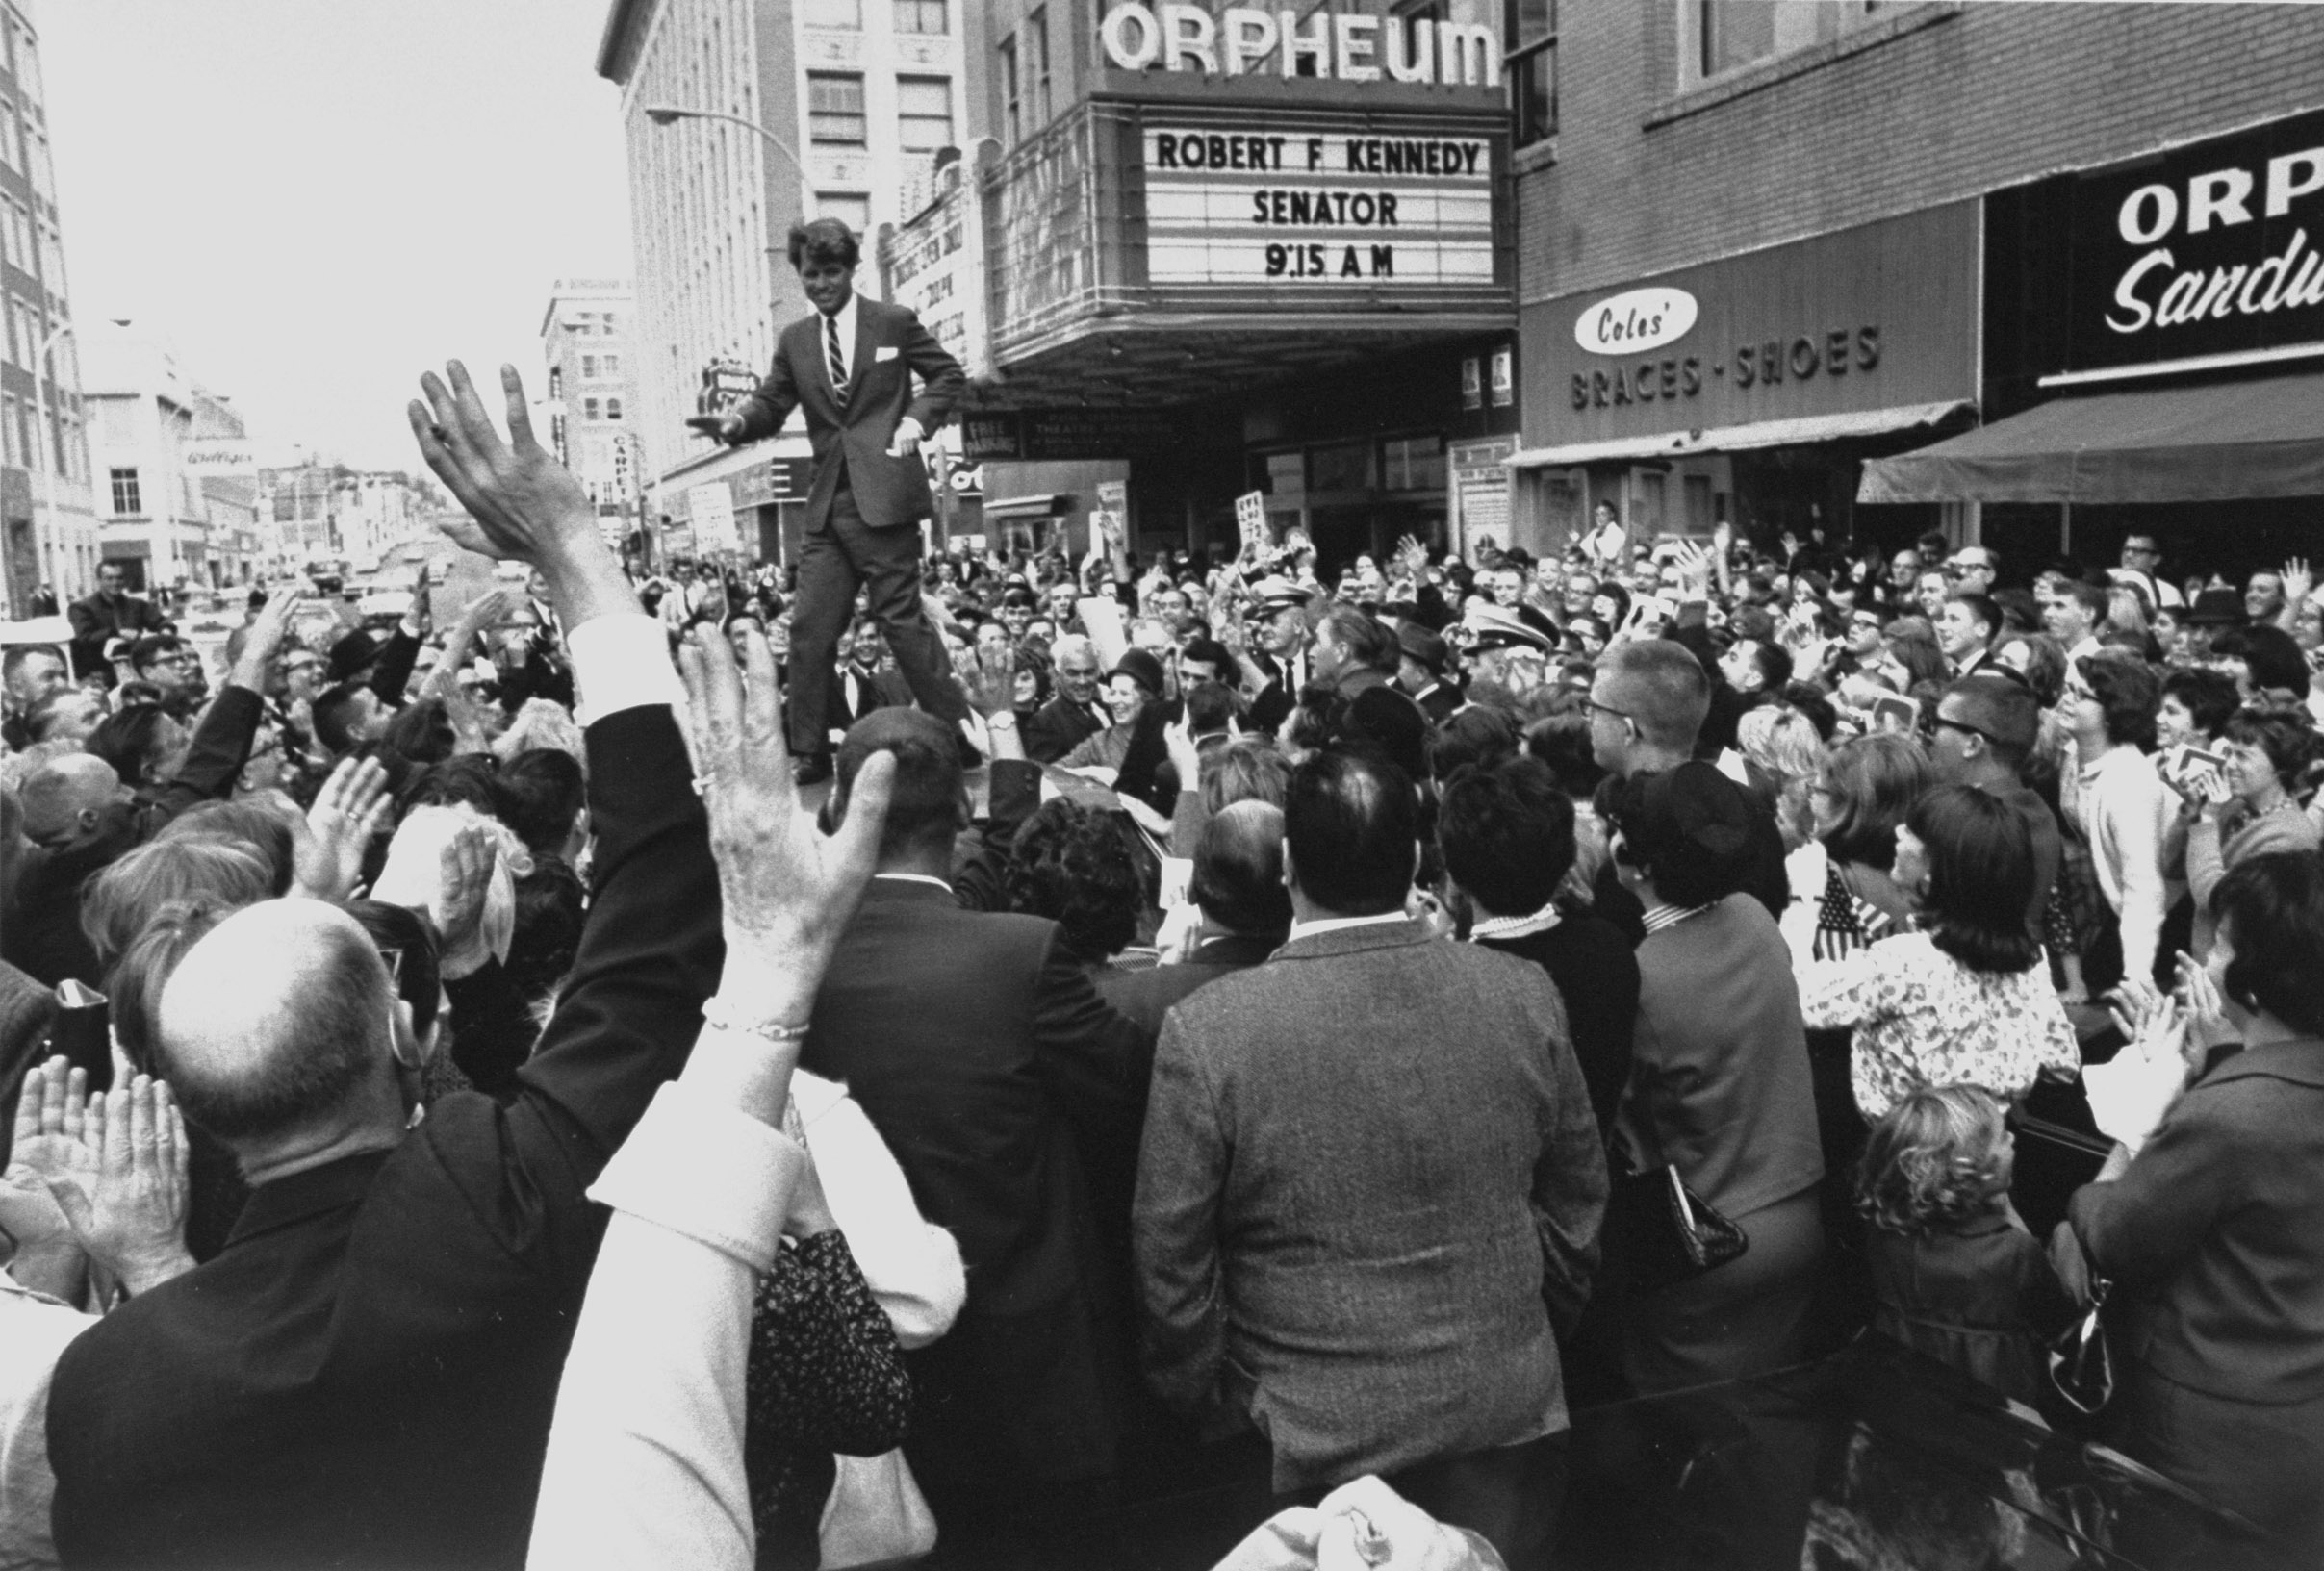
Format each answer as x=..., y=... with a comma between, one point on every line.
x=1333, y=925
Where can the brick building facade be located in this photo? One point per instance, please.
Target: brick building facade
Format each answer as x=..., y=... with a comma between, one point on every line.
x=1675, y=150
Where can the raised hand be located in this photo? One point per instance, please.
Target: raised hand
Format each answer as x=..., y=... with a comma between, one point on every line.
x=329, y=844
x=125, y=1192
x=2298, y=582
x=522, y=505
x=990, y=680
x=264, y=639
x=1184, y=757
x=787, y=889
x=49, y=1117
x=464, y=872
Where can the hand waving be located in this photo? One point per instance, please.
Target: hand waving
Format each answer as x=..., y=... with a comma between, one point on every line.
x=327, y=847
x=522, y=505
x=49, y=1116
x=787, y=888
x=2298, y=582
x=463, y=871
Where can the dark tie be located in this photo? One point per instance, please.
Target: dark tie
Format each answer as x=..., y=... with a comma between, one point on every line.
x=838, y=362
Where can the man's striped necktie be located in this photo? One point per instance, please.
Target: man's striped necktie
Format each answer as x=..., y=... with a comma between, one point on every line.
x=835, y=362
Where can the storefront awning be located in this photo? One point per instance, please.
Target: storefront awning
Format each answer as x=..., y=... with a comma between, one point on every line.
x=2227, y=441
x=1046, y=505
x=1729, y=439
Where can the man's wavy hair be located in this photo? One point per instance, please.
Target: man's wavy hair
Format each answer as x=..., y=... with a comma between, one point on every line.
x=1939, y=1159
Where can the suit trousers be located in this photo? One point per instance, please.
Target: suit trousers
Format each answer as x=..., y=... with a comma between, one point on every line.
x=835, y=559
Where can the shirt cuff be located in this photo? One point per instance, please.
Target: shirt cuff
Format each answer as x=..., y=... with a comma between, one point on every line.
x=700, y=1169
x=621, y=662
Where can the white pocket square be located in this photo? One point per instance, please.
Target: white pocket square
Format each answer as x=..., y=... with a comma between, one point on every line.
x=886, y=351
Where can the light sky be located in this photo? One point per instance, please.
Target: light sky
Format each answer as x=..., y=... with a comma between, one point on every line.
x=315, y=200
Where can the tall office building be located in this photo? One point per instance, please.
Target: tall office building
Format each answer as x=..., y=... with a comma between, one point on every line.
x=859, y=94
x=592, y=410
x=47, y=527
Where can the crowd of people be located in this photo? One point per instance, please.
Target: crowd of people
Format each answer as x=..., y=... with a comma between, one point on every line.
x=1297, y=1039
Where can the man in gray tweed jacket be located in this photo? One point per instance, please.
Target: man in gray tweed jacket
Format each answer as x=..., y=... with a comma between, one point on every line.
x=1369, y=1188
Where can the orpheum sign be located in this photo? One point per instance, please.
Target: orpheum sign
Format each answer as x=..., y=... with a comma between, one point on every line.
x=2215, y=248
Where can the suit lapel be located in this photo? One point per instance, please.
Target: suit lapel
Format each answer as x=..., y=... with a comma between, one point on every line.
x=859, y=362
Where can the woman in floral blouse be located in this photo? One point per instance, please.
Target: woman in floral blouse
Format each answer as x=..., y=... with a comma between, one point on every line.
x=1965, y=1001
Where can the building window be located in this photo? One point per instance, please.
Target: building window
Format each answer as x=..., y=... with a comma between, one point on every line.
x=126, y=502
x=607, y=318
x=1013, y=109
x=924, y=112
x=1532, y=68
x=855, y=212
x=846, y=13
x=1413, y=464
x=556, y=381
x=835, y=109
x=1722, y=35
x=589, y=366
x=923, y=16
x=1037, y=69
x=613, y=365
x=589, y=409
x=613, y=409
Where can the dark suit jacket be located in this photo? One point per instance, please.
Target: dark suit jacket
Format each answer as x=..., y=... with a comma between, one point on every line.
x=1369, y=1177
x=890, y=347
x=1057, y=727
x=1596, y=968
x=881, y=689
x=1146, y=995
x=365, y=1376
x=982, y=1052
x=97, y=621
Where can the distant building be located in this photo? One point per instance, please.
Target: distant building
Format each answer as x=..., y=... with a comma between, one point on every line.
x=51, y=534
x=151, y=425
x=327, y=517
x=864, y=94
x=592, y=410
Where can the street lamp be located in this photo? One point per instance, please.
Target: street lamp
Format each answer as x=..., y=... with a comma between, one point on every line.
x=669, y=114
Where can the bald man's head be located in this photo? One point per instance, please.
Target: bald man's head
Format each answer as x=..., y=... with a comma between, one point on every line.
x=65, y=798
x=275, y=1023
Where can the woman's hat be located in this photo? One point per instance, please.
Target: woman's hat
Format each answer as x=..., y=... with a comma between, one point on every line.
x=1142, y=669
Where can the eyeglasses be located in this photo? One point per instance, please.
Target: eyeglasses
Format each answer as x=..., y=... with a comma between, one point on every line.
x=1623, y=715
x=1943, y=724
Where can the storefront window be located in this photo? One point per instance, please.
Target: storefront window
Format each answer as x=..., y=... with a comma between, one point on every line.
x=1413, y=464
x=1340, y=468
x=1729, y=34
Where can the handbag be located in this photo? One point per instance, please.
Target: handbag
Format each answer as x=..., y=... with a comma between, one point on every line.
x=875, y=1514
x=1667, y=1233
x=2081, y=1365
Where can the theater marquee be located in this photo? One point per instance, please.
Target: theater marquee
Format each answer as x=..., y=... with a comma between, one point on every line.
x=1249, y=204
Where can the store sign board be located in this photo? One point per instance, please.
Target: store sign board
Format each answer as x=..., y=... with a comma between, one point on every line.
x=207, y=456
x=710, y=509
x=1636, y=320
x=1243, y=41
x=1043, y=434
x=777, y=480
x=1871, y=318
x=1247, y=205
x=2212, y=248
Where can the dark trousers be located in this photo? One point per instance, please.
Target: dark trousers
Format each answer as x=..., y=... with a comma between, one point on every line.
x=834, y=560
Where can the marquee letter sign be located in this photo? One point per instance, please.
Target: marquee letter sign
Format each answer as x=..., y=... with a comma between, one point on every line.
x=1247, y=41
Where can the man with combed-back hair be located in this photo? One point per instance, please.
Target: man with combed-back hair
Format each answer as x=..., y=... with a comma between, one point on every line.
x=1370, y=1189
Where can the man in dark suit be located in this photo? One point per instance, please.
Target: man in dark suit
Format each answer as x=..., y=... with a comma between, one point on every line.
x=862, y=685
x=1238, y=884
x=851, y=365
x=366, y=1373
x=1360, y=1242
x=982, y=1052
x=1420, y=664
x=1074, y=715
x=111, y=613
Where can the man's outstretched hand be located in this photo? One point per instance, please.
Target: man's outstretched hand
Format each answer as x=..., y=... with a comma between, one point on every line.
x=726, y=428
x=522, y=505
